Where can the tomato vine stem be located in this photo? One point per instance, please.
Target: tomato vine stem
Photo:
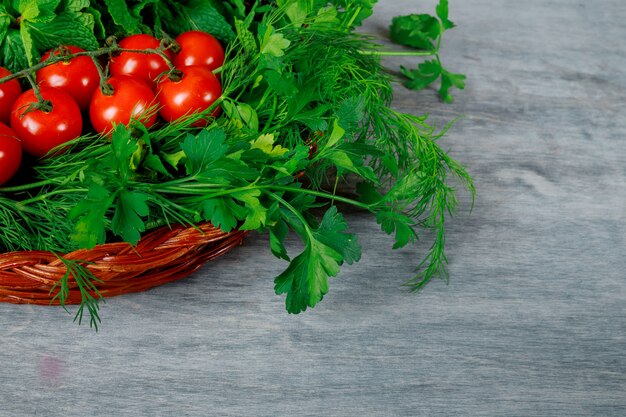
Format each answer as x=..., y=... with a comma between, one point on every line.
x=54, y=59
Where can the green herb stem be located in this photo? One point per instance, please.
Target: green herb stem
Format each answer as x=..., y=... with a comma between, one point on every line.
x=399, y=53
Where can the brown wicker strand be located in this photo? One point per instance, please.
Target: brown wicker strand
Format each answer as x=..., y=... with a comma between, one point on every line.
x=164, y=255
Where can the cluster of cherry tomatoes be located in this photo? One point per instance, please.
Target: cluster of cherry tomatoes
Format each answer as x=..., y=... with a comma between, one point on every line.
x=139, y=88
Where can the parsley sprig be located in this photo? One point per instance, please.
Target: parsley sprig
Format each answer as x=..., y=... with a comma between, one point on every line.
x=424, y=32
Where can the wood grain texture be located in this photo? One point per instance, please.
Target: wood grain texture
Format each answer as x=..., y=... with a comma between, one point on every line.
x=532, y=322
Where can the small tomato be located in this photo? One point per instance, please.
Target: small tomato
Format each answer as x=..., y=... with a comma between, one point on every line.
x=9, y=92
x=78, y=77
x=42, y=130
x=132, y=98
x=10, y=153
x=195, y=91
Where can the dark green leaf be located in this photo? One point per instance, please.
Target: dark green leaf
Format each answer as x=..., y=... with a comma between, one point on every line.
x=196, y=15
x=66, y=29
x=278, y=233
x=5, y=22
x=118, y=9
x=305, y=281
x=12, y=54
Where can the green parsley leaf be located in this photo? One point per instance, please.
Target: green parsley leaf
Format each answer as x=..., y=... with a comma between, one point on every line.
x=265, y=143
x=332, y=231
x=391, y=221
x=306, y=279
x=426, y=73
x=448, y=80
x=89, y=230
x=202, y=150
x=273, y=43
x=127, y=222
x=415, y=30
x=257, y=213
x=223, y=213
x=278, y=233
x=442, y=14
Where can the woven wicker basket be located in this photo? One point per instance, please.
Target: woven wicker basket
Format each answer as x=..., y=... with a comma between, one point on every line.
x=164, y=255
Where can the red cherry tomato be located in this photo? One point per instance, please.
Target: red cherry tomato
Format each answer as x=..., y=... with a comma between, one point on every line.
x=78, y=77
x=39, y=130
x=9, y=92
x=196, y=91
x=131, y=99
x=10, y=153
x=145, y=66
x=199, y=49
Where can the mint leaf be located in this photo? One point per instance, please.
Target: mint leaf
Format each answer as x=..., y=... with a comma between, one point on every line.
x=415, y=30
x=67, y=28
x=195, y=15
x=29, y=46
x=118, y=9
x=127, y=222
x=5, y=22
x=12, y=53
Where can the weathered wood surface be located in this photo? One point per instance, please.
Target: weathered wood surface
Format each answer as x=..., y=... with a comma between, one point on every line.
x=532, y=323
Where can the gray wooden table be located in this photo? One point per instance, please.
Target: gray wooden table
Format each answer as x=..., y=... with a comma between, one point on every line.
x=532, y=323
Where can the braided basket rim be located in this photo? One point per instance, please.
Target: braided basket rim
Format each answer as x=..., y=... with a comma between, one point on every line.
x=163, y=255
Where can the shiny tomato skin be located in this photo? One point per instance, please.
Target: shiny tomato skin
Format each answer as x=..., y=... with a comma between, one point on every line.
x=42, y=131
x=195, y=92
x=78, y=77
x=132, y=98
x=145, y=66
x=9, y=92
x=10, y=153
x=199, y=49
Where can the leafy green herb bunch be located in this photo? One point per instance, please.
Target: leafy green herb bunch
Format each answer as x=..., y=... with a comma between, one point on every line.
x=306, y=107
